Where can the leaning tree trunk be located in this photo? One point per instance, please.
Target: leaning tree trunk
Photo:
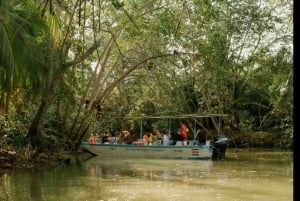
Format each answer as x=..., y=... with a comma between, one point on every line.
x=34, y=132
x=83, y=129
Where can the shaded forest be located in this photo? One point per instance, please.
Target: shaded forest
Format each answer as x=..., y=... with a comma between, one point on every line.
x=66, y=66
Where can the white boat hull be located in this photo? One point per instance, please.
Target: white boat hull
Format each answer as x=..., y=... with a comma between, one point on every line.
x=147, y=151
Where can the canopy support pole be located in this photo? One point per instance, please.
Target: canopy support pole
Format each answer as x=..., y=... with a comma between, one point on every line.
x=195, y=131
x=141, y=130
x=169, y=127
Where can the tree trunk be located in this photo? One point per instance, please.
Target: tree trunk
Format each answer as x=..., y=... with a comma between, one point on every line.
x=34, y=131
x=84, y=128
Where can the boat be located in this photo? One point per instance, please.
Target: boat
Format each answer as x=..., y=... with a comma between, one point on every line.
x=137, y=150
x=158, y=151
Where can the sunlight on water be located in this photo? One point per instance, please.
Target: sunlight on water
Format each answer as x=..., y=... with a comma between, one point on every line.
x=243, y=176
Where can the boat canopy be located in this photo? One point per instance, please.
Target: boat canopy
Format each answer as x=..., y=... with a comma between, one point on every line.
x=182, y=116
x=170, y=117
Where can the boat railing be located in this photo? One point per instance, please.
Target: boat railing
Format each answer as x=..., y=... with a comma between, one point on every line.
x=160, y=143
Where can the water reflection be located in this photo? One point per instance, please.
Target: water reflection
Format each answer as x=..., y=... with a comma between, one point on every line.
x=146, y=168
x=245, y=175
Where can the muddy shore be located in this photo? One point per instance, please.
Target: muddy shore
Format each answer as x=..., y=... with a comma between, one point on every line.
x=11, y=160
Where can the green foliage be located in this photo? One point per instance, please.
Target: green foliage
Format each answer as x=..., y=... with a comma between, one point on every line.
x=12, y=131
x=146, y=57
x=262, y=140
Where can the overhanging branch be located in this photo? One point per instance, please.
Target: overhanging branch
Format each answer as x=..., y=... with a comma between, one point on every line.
x=84, y=56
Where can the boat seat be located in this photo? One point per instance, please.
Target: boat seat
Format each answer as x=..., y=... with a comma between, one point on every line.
x=178, y=143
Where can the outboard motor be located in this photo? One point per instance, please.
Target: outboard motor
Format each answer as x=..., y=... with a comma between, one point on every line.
x=220, y=145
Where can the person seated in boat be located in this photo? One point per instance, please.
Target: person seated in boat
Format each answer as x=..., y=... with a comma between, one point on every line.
x=175, y=136
x=113, y=139
x=120, y=136
x=105, y=137
x=158, y=136
x=153, y=139
x=91, y=138
x=165, y=138
x=146, y=138
x=97, y=138
x=129, y=137
x=201, y=136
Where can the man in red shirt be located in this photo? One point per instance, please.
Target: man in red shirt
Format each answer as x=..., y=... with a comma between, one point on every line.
x=184, y=132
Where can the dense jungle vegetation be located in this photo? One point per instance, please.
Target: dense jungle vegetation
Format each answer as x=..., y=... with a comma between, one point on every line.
x=65, y=66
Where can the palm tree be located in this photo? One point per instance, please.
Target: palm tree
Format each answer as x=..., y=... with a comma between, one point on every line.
x=21, y=55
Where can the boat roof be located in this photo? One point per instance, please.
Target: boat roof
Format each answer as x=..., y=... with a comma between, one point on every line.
x=181, y=116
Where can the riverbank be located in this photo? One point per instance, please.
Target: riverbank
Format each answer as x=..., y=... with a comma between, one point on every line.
x=11, y=160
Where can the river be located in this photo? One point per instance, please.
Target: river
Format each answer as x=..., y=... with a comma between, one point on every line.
x=245, y=175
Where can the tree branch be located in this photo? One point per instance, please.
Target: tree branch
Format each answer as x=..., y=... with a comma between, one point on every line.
x=80, y=59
